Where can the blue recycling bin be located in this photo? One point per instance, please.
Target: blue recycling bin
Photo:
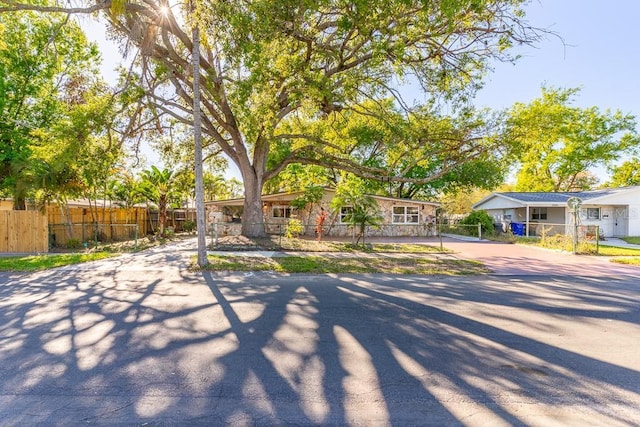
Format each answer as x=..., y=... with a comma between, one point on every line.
x=517, y=228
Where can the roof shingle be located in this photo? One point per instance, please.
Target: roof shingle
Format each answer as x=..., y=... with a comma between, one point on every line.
x=560, y=197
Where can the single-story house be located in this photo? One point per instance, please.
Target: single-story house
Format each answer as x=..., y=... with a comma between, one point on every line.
x=616, y=211
x=401, y=217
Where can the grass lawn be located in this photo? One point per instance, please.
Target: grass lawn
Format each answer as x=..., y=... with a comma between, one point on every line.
x=324, y=265
x=407, y=248
x=630, y=261
x=354, y=258
x=43, y=262
x=616, y=251
x=635, y=240
x=565, y=244
x=624, y=252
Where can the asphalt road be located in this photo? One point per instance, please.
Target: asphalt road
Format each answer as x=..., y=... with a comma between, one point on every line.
x=141, y=340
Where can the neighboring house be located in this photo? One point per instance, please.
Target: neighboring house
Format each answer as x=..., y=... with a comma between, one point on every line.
x=616, y=211
x=400, y=217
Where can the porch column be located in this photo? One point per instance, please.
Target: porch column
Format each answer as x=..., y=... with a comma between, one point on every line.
x=526, y=222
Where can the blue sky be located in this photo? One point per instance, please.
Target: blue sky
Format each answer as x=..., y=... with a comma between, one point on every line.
x=599, y=52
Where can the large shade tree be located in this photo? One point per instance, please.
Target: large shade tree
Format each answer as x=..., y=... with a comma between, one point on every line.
x=264, y=64
x=558, y=142
x=417, y=154
x=41, y=56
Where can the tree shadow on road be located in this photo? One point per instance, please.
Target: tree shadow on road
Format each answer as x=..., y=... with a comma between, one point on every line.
x=385, y=341
x=267, y=349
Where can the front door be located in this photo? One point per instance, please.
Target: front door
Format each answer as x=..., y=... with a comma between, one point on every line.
x=621, y=219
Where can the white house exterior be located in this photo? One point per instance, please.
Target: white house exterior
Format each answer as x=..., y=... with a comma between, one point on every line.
x=616, y=211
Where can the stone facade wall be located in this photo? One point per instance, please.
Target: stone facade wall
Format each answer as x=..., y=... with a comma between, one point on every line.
x=426, y=225
x=219, y=220
x=225, y=229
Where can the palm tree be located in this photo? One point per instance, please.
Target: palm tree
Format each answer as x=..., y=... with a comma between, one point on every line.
x=215, y=187
x=362, y=210
x=157, y=186
x=127, y=193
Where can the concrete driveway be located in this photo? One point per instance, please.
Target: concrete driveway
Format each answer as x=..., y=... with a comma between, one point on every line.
x=141, y=340
x=510, y=259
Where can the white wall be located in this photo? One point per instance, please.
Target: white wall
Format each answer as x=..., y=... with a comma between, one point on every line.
x=500, y=215
x=606, y=221
x=623, y=197
x=634, y=219
x=555, y=222
x=555, y=216
x=497, y=202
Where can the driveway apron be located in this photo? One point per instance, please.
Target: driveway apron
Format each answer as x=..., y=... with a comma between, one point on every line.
x=510, y=259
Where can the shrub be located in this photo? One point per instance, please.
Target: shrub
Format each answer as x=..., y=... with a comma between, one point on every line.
x=73, y=244
x=169, y=232
x=478, y=217
x=294, y=228
x=564, y=242
x=189, y=226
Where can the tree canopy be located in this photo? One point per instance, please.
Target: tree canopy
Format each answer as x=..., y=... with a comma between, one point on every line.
x=626, y=174
x=266, y=67
x=42, y=57
x=416, y=154
x=557, y=143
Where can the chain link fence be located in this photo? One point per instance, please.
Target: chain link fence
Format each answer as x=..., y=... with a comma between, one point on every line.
x=576, y=238
x=296, y=228
x=75, y=236
x=580, y=238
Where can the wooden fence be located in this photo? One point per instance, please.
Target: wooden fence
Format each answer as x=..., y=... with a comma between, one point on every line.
x=23, y=231
x=81, y=216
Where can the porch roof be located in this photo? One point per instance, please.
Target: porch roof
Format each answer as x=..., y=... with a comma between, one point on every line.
x=288, y=197
x=557, y=197
x=278, y=197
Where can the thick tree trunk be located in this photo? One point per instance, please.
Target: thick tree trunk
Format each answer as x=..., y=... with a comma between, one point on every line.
x=252, y=216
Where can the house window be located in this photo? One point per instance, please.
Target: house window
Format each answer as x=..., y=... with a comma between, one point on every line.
x=539, y=213
x=405, y=215
x=344, y=212
x=593, y=213
x=282, y=211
